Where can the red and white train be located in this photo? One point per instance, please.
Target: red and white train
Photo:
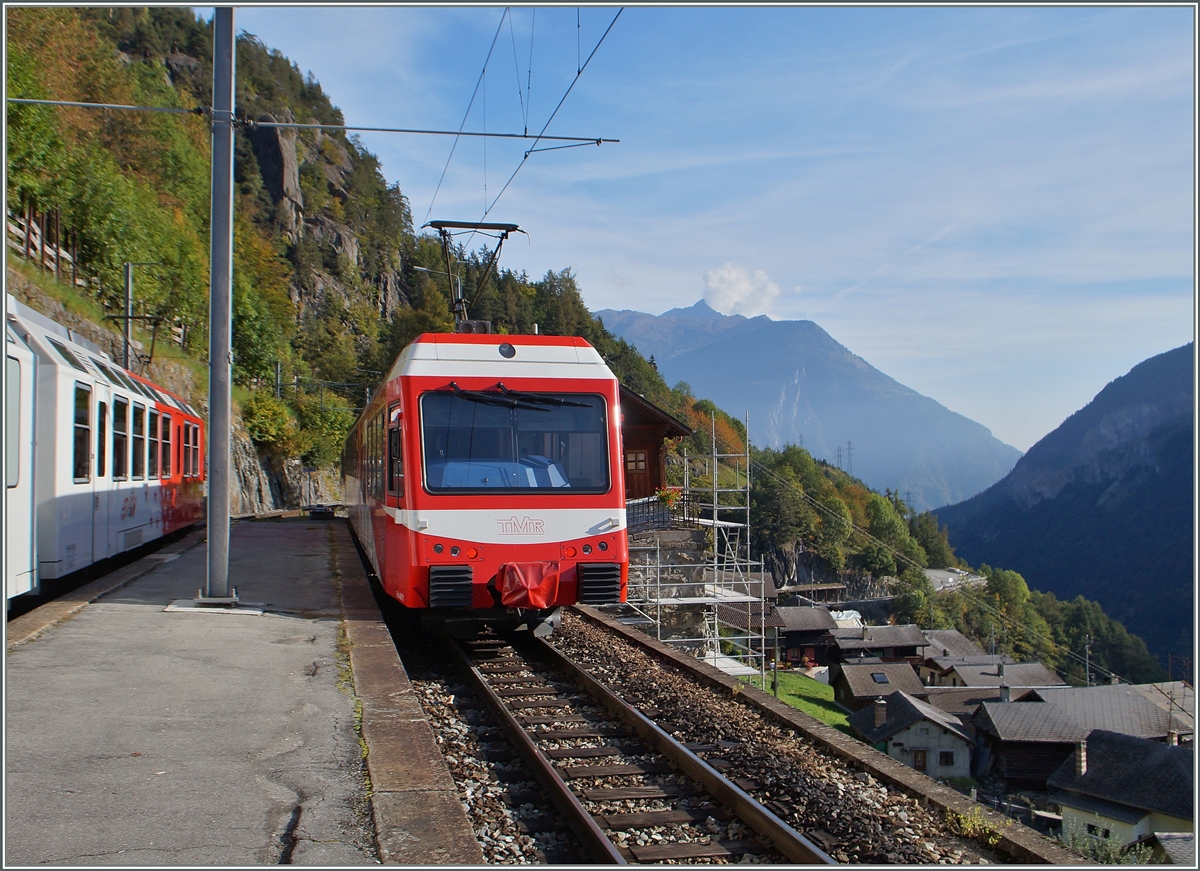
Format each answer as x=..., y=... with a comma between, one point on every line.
x=484, y=478
x=97, y=460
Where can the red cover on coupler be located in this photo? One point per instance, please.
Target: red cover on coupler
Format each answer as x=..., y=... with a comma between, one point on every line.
x=528, y=585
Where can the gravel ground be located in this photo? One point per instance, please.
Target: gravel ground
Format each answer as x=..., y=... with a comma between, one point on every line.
x=858, y=819
x=513, y=820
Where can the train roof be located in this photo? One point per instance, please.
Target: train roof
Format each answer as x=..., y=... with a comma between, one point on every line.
x=467, y=354
x=74, y=351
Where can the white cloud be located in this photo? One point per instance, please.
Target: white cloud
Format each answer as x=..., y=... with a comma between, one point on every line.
x=733, y=289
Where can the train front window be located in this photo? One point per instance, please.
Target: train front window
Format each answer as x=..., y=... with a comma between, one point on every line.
x=487, y=442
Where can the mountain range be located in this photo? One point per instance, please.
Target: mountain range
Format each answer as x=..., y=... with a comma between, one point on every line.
x=1103, y=506
x=798, y=385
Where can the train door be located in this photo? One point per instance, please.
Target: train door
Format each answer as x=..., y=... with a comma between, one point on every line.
x=76, y=507
x=20, y=534
x=102, y=489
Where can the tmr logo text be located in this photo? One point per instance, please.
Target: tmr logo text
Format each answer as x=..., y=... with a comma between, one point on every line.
x=525, y=526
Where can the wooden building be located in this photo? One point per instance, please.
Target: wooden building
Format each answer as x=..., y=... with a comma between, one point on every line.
x=644, y=428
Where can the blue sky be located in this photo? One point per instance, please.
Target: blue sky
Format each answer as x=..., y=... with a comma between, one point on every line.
x=995, y=206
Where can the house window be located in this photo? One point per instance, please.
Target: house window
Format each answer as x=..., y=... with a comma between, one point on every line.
x=879, y=677
x=924, y=730
x=635, y=461
x=1097, y=832
x=946, y=758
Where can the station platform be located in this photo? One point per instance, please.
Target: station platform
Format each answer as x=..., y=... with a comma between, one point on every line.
x=138, y=733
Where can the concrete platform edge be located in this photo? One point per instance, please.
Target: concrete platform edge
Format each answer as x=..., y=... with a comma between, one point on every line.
x=419, y=819
x=27, y=627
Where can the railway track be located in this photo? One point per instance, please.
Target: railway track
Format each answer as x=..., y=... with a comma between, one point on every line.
x=631, y=793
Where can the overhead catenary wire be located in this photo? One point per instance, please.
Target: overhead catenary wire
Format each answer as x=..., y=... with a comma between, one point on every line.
x=542, y=134
x=169, y=110
x=466, y=114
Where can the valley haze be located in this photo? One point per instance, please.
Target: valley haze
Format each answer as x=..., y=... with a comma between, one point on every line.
x=800, y=386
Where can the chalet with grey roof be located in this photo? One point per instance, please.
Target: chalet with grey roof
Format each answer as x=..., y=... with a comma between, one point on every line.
x=807, y=634
x=856, y=684
x=919, y=735
x=963, y=702
x=1028, y=740
x=889, y=643
x=1171, y=848
x=950, y=642
x=1124, y=788
x=995, y=674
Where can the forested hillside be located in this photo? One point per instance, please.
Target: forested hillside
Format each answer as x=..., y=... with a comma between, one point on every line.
x=1104, y=506
x=327, y=280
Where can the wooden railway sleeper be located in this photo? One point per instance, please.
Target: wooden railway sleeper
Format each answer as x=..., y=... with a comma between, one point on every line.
x=581, y=822
x=787, y=840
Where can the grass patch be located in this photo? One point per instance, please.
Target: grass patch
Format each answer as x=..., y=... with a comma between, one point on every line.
x=810, y=696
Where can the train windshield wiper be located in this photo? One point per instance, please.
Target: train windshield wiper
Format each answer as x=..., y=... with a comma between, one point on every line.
x=493, y=399
x=537, y=397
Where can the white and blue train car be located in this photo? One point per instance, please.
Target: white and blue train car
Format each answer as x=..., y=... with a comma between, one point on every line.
x=98, y=460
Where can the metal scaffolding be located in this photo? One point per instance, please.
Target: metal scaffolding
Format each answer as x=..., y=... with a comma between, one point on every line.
x=692, y=582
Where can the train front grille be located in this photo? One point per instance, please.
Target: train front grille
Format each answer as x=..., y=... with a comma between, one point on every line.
x=450, y=587
x=599, y=583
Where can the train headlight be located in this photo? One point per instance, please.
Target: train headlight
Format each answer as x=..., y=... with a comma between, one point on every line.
x=437, y=548
x=454, y=551
x=587, y=548
x=603, y=545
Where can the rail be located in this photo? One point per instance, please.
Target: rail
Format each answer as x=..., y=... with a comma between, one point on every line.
x=517, y=686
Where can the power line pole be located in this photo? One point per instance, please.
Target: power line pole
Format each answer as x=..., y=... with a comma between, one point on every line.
x=1087, y=660
x=839, y=456
x=849, y=457
x=220, y=323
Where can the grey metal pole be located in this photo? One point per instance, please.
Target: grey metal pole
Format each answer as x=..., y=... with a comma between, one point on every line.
x=128, y=309
x=220, y=324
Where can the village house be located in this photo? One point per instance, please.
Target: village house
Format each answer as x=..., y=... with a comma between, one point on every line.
x=859, y=682
x=1028, y=740
x=1170, y=848
x=950, y=642
x=1123, y=788
x=807, y=635
x=995, y=674
x=963, y=702
x=919, y=735
x=889, y=643
x=644, y=428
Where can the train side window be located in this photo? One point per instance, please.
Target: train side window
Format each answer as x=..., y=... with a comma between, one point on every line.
x=197, y=457
x=12, y=417
x=101, y=437
x=166, y=446
x=185, y=450
x=67, y=355
x=153, y=463
x=120, y=457
x=82, y=467
x=395, y=461
x=139, y=441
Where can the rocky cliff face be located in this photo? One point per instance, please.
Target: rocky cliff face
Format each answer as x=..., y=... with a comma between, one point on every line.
x=258, y=483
